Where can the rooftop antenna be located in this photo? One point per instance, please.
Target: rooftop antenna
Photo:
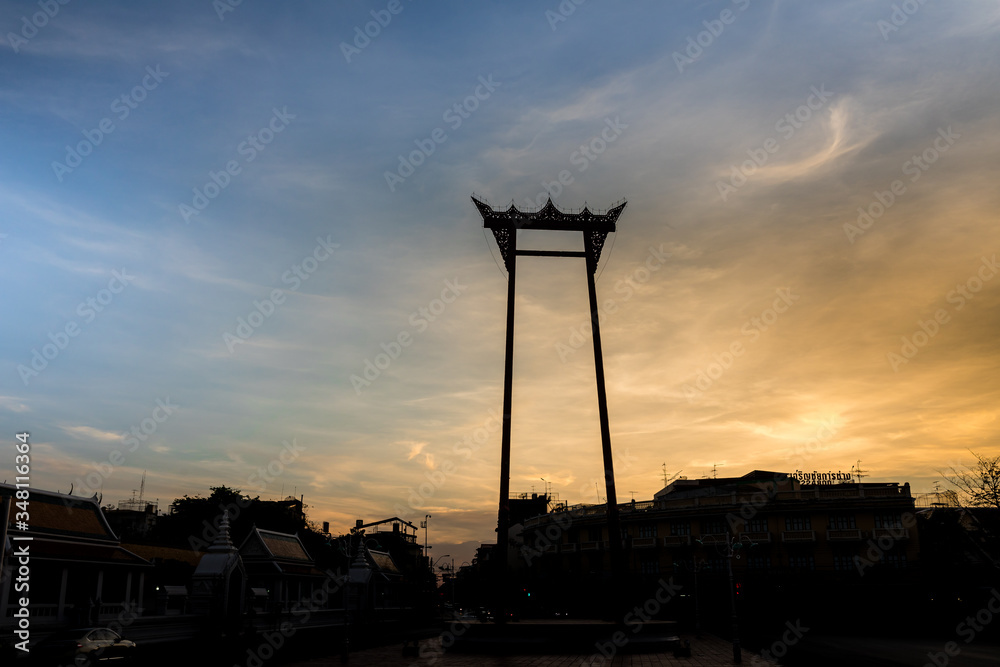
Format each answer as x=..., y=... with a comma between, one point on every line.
x=858, y=472
x=715, y=470
x=668, y=479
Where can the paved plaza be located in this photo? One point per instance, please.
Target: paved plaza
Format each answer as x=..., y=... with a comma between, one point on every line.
x=708, y=651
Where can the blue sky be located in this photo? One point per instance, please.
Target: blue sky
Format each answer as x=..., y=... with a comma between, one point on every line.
x=835, y=102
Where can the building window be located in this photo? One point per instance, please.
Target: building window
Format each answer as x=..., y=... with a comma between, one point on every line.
x=678, y=528
x=842, y=522
x=595, y=534
x=798, y=523
x=843, y=562
x=714, y=564
x=802, y=562
x=713, y=527
x=759, y=562
x=895, y=560
x=888, y=520
x=649, y=566
x=647, y=531
x=758, y=524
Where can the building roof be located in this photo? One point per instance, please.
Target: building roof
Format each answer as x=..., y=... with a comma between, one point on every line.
x=61, y=514
x=270, y=544
x=394, y=519
x=45, y=549
x=156, y=552
x=383, y=561
x=67, y=527
x=716, y=485
x=269, y=551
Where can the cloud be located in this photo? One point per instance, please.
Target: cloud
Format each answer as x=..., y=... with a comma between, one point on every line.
x=90, y=433
x=13, y=404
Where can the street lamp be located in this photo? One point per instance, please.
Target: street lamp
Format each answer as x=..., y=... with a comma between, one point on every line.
x=693, y=567
x=731, y=546
x=423, y=524
x=434, y=564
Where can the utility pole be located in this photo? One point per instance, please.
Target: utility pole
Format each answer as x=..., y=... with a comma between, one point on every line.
x=423, y=524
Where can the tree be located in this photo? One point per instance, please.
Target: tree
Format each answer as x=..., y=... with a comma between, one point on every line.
x=979, y=482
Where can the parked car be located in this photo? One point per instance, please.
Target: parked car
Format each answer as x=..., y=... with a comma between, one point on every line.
x=84, y=647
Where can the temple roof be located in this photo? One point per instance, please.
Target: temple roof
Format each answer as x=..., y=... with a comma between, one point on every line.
x=270, y=544
x=65, y=516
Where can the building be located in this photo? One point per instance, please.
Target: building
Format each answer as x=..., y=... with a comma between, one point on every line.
x=79, y=572
x=279, y=564
x=132, y=520
x=780, y=537
x=398, y=539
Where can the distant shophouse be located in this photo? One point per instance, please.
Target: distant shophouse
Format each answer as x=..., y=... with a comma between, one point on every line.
x=785, y=540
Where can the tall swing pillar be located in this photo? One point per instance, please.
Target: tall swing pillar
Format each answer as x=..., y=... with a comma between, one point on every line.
x=595, y=229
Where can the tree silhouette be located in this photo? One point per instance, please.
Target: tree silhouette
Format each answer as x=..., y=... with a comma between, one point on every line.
x=979, y=482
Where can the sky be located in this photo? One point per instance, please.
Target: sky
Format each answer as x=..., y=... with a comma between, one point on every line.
x=238, y=246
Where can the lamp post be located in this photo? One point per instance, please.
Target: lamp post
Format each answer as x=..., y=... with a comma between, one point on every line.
x=732, y=545
x=693, y=568
x=423, y=524
x=737, y=655
x=436, y=562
